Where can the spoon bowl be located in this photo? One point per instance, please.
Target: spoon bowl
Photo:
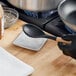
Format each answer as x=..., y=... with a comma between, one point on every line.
x=33, y=31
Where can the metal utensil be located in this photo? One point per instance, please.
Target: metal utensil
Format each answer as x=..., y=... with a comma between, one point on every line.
x=67, y=12
x=35, y=5
x=35, y=32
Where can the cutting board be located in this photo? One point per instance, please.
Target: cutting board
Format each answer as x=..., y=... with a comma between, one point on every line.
x=11, y=66
x=49, y=61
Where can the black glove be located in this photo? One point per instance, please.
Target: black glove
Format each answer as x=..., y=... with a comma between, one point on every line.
x=69, y=49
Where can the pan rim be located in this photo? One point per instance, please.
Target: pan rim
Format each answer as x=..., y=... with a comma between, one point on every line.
x=65, y=21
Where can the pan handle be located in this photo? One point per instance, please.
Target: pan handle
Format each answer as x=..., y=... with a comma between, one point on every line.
x=54, y=30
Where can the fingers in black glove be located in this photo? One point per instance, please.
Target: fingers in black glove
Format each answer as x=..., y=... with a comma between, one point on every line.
x=69, y=49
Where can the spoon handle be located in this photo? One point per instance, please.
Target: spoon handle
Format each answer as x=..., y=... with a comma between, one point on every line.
x=49, y=37
x=58, y=39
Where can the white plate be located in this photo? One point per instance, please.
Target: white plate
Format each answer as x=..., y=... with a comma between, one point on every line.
x=30, y=43
x=11, y=66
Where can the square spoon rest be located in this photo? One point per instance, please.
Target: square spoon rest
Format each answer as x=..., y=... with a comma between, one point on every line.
x=25, y=41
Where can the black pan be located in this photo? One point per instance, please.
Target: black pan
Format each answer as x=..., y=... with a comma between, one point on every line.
x=67, y=12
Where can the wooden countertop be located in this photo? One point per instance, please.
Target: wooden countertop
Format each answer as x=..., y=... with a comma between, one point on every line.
x=49, y=61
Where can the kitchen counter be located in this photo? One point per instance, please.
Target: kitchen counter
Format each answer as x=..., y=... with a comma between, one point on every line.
x=49, y=61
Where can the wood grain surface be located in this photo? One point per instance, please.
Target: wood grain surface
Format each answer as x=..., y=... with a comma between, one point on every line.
x=49, y=61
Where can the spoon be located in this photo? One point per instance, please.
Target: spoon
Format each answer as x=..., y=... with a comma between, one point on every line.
x=35, y=32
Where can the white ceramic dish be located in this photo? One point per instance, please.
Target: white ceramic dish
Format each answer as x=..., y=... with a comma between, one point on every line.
x=25, y=41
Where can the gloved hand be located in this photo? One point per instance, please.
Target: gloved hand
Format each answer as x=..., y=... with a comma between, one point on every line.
x=69, y=49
